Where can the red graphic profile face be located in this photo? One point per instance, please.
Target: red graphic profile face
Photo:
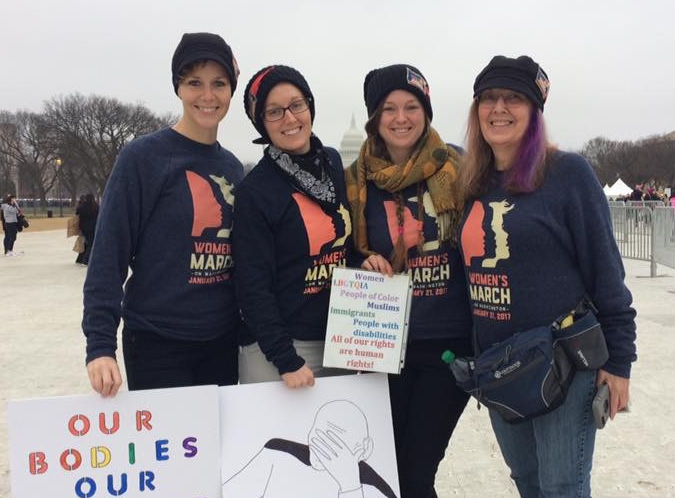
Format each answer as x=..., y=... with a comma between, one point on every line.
x=318, y=225
x=473, y=235
x=411, y=226
x=207, y=212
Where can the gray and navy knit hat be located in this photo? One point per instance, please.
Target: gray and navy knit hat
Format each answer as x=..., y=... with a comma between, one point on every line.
x=520, y=75
x=261, y=84
x=195, y=47
x=381, y=82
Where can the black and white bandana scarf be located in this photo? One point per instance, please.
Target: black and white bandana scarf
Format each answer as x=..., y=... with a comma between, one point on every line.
x=320, y=188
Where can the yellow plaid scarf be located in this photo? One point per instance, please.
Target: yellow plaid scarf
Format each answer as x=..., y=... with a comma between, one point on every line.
x=433, y=161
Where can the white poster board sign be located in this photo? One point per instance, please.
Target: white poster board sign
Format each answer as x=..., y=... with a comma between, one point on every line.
x=160, y=443
x=335, y=437
x=367, y=324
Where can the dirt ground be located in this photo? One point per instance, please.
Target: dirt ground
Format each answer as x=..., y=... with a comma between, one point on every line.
x=42, y=224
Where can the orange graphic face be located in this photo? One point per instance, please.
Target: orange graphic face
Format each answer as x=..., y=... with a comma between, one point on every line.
x=318, y=225
x=473, y=235
x=207, y=210
x=411, y=226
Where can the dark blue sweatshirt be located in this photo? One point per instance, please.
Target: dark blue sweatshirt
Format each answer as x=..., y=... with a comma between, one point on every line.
x=530, y=258
x=167, y=214
x=286, y=247
x=440, y=307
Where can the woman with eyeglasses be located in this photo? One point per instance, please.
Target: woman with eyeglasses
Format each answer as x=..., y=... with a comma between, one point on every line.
x=167, y=214
x=292, y=229
x=537, y=240
x=405, y=213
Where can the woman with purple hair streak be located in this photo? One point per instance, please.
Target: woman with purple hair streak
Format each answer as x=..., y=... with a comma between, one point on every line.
x=537, y=239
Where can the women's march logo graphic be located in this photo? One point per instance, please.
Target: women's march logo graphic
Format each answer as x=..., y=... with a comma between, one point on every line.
x=473, y=234
x=490, y=292
x=430, y=272
x=210, y=259
x=321, y=229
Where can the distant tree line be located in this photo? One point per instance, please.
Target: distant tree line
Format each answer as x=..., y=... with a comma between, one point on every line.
x=74, y=141
x=649, y=161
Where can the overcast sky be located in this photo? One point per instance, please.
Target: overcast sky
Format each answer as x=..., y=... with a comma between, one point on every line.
x=610, y=62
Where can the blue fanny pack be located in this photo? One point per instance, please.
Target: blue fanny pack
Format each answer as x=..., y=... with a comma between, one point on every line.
x=529, y=373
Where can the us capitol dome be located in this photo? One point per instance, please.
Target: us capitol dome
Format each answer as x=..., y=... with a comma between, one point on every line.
x=351, y=144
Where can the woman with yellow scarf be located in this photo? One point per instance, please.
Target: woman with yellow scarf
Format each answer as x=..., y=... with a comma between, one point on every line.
x=401, y=191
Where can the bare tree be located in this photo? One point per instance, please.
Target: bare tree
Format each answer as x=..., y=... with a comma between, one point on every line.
x=25, y=140
x=91, y=131
x=651, y=160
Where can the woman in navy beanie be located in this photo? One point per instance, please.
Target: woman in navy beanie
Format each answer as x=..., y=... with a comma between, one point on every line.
x=292, y=229
x=401, y=190
x=167, y=214
x=537, y=241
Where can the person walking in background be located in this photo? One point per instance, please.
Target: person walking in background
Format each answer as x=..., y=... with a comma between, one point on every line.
x=87, y=211
x=405, y=213
x=637, y=194
x=167, y=214
x=10, y=224
x=292, y=226
x=537, y=240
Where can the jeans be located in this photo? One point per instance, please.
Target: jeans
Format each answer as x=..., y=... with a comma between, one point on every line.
x=425, y=407
x=152, y=361
x=10, y=236
x=551, y=456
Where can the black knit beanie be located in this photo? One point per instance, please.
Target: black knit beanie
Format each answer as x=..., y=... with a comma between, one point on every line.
x=381, y=82
x=195, y=47
x=261, y=84
x=520, y=75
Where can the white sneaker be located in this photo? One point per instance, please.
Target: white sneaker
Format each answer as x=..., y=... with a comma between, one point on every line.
x=11, y=254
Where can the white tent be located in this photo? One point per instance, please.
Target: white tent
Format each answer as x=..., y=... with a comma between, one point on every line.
x=619, y=189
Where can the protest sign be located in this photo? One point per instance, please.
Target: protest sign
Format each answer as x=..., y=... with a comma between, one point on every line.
x=161, y=443
x=367, y=321
x=334, y=439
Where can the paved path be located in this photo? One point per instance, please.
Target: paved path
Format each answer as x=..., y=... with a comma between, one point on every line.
x=42, y=352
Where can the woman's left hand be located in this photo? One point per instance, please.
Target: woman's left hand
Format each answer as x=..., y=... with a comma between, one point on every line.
x=376, y=262
x=619, y=394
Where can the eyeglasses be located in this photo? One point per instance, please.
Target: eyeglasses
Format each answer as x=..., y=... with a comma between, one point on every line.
x=277, y=113
x=490, y=98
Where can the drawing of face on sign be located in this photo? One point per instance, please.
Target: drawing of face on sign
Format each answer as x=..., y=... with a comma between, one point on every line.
x=321, y=228
x=208, y=210
x=339, y=436
x=327, y=455
x=474, y=235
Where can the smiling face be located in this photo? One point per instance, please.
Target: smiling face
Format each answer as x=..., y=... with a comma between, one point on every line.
x=290, y=133
x=401, y=124
x=205, y=92
x=504, y=116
